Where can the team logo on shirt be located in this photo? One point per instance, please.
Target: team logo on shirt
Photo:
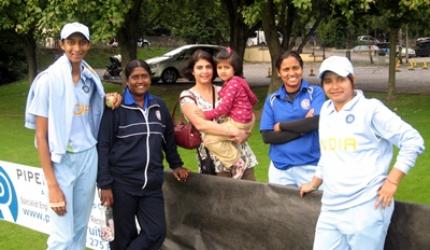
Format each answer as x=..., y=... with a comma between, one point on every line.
x=306, y=104
x=350, y=118
x=158, y=115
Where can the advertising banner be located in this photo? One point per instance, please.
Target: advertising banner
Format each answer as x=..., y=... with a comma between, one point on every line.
x=210, y=212
x=24, y=201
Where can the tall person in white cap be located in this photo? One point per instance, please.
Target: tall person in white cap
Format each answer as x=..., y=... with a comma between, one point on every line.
x=356, y=140
x=65, y=106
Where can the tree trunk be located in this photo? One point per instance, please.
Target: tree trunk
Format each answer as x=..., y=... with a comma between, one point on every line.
x=272, y=40
x=370, y=53
x=29, y=47
x=288, y=23
x=128, y=45
x=239, y=31
x=323, y=52
x=310, y=34
x=391, y=90
x=400, y=45
x=128, y=34
x=348, y=44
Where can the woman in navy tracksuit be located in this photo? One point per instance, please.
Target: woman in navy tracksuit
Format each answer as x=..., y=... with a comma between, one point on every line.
x=131, y=142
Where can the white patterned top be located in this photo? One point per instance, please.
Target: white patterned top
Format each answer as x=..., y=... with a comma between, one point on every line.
x=246, y=152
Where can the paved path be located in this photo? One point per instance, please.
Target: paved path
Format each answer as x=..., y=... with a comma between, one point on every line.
x=370, y=78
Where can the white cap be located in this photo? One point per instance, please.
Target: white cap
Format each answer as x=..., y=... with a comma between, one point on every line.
x=75, y=27
x=337, y=64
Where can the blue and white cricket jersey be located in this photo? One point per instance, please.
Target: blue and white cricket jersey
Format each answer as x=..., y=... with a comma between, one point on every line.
x=356, y=150
x=279, y=108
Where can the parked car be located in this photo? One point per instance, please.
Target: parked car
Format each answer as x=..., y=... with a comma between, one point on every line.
x=113, y=43
x=169, y=66
x=423, y=39
x=365, y=48
x=366, y=39
x=260, y=39
x=141, y=42
x=384, y=49
x=423, y=47
x=411, y=52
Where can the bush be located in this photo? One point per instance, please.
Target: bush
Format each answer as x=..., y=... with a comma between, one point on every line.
x=12, y=63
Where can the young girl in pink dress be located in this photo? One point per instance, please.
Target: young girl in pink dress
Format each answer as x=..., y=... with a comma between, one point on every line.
x=234, y=108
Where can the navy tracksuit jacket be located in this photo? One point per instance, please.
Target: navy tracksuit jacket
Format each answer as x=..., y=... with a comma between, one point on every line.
x=131, y=142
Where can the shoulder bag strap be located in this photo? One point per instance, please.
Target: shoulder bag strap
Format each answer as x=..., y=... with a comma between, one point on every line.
x=213, y=97
x=191, y=96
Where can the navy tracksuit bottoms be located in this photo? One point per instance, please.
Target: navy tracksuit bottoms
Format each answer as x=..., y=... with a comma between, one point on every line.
x=133, y=204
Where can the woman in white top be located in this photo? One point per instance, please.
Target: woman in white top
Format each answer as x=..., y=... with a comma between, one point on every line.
x=201, y=69
x=356, y=139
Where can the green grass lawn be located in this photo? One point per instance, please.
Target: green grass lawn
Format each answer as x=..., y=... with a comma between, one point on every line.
x=17, y=146
x=17, y=142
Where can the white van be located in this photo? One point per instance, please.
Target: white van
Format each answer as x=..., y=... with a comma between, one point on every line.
x=259, y=39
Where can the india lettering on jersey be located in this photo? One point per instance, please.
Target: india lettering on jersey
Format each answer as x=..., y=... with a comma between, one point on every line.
x=335, y=143
x=81, y=109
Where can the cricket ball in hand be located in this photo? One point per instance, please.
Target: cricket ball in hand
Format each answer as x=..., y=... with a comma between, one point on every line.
x=110, y=100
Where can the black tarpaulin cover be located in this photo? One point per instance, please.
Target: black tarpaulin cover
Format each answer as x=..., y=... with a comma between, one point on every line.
x=211, y=212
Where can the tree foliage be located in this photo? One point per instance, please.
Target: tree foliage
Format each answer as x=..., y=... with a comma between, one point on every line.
x=205, y=21
x=197, y=21
x=32, y=20
x=332, y=33
x=395, y=14
x=295, y=20
x=239, y=29
x=12, y=58
x=19, y=19
x=301, y=18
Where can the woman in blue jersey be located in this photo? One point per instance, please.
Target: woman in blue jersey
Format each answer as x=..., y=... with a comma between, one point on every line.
x=289, y=123
x=131, y=143
x=356, y=138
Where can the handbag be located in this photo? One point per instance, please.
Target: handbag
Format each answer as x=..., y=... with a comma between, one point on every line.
x=207, y=165
x=186, y=135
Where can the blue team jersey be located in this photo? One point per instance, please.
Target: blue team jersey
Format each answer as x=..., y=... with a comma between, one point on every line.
x=278, y=107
